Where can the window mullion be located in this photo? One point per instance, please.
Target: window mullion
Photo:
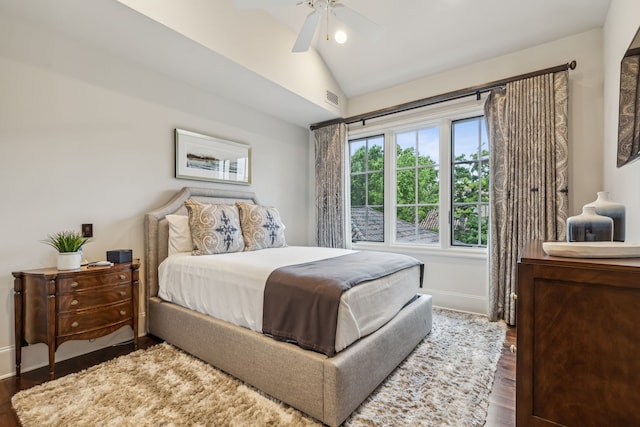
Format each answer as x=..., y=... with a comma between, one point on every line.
x=389, y=188
x=446, y=172
x=416, y=183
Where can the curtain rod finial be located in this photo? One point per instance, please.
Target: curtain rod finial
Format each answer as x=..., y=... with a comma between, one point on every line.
x=573, y=64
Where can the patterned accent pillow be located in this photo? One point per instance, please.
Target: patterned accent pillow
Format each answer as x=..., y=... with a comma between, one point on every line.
x=261, y=227
x=215, y=229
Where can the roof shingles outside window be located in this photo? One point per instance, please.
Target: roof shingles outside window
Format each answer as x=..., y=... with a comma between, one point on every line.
x=367, y=224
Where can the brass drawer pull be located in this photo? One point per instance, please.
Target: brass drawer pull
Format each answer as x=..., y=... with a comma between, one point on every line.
x=122, y=293
x=74, y=284
x=123, y=313
x=75, y=324
x=513, y=348
x=123, y=276
x=74, y=302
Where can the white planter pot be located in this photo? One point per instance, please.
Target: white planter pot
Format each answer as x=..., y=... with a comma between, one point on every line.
x=69, y=260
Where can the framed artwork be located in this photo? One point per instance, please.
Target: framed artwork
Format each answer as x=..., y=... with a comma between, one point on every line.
x=207, y=158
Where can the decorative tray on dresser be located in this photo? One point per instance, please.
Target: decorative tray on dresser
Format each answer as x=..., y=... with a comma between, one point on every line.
x=53, y=306
x=578, y=340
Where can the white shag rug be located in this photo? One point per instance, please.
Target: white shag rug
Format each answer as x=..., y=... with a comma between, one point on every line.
x=445, y=381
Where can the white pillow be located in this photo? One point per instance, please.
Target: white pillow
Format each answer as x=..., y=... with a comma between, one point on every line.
x=179, y=234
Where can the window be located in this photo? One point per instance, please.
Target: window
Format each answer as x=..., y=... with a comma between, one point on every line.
x=470, y=182
x=417, y=185
x=422, y=181
x=367, y=189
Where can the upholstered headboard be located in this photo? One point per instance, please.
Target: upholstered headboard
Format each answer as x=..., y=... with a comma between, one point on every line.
x=156, y=227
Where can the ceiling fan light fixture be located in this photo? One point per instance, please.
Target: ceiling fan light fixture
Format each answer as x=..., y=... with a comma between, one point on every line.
x=321, y=8
x=340, y=36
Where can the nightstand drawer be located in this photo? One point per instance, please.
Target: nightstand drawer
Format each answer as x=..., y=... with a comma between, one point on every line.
x=93, y=298
x=109, y=277
x=74, y=323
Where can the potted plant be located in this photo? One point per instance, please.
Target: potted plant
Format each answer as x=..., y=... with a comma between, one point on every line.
x=68, y=245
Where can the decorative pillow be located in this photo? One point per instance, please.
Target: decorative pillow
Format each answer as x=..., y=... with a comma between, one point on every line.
x=215, y=229
x=261, y=227
x=179, y=234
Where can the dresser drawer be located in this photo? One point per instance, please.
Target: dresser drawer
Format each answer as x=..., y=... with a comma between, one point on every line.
x=93, y=298
x=78, y=322
x=109, y=277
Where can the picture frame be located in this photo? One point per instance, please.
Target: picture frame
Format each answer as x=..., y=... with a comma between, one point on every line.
x=207, y=158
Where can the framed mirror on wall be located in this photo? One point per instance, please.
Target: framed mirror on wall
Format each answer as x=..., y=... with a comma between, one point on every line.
x=629, y=110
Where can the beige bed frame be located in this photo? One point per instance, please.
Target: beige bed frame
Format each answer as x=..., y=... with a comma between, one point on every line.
x=328, y=389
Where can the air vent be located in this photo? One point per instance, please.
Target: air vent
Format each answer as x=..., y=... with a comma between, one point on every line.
x=332, y=98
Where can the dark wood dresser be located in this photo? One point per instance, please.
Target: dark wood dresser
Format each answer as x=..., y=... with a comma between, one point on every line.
x=54, y=306
x=578, y=341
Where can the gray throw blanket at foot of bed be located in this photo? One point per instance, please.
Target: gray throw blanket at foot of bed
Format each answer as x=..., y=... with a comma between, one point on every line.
x=301, y=301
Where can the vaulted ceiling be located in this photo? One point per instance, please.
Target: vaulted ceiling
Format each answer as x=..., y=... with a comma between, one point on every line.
x=425, y=37
x=245, y=54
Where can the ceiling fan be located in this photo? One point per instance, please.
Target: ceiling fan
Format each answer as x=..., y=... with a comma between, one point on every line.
x=319, y=8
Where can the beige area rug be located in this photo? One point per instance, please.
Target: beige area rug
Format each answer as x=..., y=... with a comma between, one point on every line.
x=445, y=381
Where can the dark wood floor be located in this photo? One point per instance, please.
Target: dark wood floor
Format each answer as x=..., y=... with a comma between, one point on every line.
x=502, y=401
x=501, y=405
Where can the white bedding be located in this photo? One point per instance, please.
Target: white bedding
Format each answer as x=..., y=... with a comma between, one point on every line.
x=231, y=287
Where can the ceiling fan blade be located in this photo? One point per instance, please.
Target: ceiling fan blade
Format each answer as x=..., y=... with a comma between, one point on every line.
x=263, y=4
x=305, y=36
x=357, y=21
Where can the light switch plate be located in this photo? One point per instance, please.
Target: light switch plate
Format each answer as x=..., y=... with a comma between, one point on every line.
x=87, y=230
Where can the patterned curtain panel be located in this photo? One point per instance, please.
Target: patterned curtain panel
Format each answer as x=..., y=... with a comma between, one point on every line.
x=527, y=125
x=330, y=215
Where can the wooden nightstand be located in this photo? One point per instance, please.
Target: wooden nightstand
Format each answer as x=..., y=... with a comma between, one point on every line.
x=54, y=306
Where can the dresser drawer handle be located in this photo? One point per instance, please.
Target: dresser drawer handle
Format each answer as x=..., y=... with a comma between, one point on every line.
x=513, y=348
x=75, y=324
x=122, y=312
x=122, y=293
x=123, y=276
x=74, y=284
x=74, y=302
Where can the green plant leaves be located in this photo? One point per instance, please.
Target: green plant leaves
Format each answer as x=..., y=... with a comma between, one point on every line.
x=66, y=241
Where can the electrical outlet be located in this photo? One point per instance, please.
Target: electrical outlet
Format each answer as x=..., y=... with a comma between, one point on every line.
x=87, y=230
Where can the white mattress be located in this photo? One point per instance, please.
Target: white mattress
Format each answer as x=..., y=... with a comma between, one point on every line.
x=230, y=287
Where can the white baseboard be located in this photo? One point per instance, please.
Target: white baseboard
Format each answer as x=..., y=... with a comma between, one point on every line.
x=458, y=301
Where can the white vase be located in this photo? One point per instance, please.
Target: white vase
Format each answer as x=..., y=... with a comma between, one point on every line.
x=615, y=211
x=589, y=226
x=69, y=260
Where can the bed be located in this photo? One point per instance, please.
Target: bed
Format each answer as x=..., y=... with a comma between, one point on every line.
x=327, y=388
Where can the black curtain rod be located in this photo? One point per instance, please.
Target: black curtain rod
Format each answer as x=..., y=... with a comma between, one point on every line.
x=449, y=96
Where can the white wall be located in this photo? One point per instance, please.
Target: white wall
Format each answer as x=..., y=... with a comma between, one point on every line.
x=459, y=281
x=87, y=137
x=622, y=23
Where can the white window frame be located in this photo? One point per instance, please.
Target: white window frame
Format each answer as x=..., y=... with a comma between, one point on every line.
x=438, y=115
